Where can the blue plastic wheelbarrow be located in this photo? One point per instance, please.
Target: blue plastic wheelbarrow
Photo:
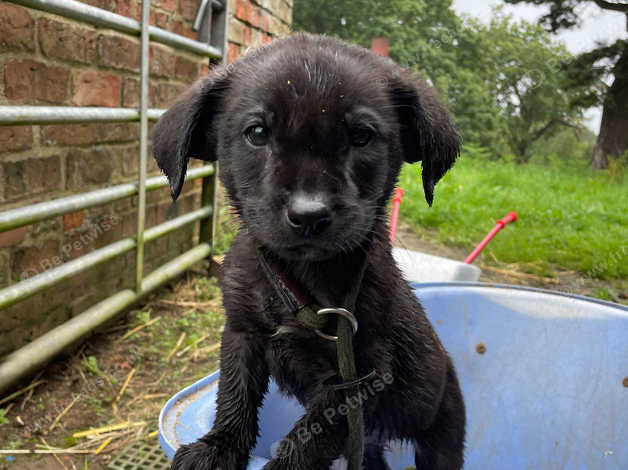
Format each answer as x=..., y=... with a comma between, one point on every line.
x=544, y=376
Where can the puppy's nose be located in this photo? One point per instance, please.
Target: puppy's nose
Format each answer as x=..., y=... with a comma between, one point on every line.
x=308, y=215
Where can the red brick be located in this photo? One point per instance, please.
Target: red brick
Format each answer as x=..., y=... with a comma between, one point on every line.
x=161, y=19
x=284, y=13
x=266, y=38
x=255, y=16
x=30, y=177
x=17, y=28
x=126, y=8
x=204, y=70
x=119, y=53
x=188, y=9
x=233, y=52
x=13, y=237
x=129, y=157
x=32, y=81
x=264, y=21
x=97, y=89
x=93, y=167
x=73, y=220
x=167, y=93
x=109, y=5
x=161, y=62
x=131, y=93
x=129, y=224
x=30, y=261
x=4, y=279
x=85, y=134
x=186, y=69
x=180, y=29
x=243, y=10
x=67, y=42
x=13, y=138
x=98, y=233
x=70, y=134
x=169, y=5
x=247, y=33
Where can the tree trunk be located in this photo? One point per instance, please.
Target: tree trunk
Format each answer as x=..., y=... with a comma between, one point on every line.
x=612, y=140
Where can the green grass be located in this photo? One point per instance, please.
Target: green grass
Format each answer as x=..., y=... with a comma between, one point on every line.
x=569, y=217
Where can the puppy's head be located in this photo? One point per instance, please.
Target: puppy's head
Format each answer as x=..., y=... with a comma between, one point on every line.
x=310, y=133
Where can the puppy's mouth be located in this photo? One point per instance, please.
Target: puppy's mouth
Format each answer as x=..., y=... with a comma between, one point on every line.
x=306, y=250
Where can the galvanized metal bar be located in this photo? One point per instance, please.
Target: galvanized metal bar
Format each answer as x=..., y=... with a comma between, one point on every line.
x=103, y=18
x=31, y=286
x=209, y=197
x=175, y=224
x=141, y=174
x=22, y=290
x=22, y=216
x=180, y=42
x=34, y=355
x=211, y=24
x=195, y=173
x=30, y=115
x=200, y=15
x=173, y=268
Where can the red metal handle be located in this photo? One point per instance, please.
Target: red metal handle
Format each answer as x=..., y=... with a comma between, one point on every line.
x=395, y=213
x=510, y=217
x=500, y=224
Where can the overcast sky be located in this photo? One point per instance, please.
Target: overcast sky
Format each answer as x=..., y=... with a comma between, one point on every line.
x=597, y=25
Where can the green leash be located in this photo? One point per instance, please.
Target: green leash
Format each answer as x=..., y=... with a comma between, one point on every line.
x=348, y=373
x=308, y=313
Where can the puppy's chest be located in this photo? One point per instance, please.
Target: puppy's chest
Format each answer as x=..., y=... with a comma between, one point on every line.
x=298, y=358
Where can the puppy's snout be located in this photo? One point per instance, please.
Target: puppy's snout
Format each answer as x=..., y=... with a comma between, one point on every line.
x=308, y=215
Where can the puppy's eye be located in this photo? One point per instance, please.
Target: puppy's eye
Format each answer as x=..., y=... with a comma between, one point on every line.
x=257, y=135
x=361, y=136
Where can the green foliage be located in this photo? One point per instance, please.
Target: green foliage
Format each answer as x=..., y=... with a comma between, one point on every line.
x=588, y=72
x=566, y=145
x=3, y=418
x=410, y=25
x=604, y=294
x=507, y=90
x=617, y=167
x=504, y=81
x=569, y=216
x=91, y=363
x=226, y=229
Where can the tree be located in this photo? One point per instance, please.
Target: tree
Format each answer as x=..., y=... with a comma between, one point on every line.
x=518, y=64
x=588, y=68
x=410, y=25
x=501, y=81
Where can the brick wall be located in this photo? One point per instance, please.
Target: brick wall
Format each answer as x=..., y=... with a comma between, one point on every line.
x=48, y=60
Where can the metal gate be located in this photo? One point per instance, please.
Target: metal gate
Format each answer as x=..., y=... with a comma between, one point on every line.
x=211, y=22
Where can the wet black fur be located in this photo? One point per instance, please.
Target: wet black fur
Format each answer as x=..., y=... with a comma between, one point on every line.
x=311, y=91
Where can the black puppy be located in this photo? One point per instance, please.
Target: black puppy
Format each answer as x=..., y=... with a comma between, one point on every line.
x=310, y=134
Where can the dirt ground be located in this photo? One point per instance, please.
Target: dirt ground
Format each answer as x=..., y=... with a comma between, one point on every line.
x=496, y=272
x=122, y=375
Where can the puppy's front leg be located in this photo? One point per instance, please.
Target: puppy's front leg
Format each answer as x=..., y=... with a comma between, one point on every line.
x=241, y=388
x=317, y=439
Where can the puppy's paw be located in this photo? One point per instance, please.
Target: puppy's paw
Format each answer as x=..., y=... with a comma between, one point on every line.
x=207, y=454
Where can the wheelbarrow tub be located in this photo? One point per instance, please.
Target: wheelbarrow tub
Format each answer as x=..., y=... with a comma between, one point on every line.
x=543, y=375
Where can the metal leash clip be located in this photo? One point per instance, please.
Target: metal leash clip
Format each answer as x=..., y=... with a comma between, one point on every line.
x=343, y=312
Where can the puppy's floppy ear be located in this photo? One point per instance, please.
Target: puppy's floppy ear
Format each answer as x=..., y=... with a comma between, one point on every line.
x=427, y=132
x=187, y=129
